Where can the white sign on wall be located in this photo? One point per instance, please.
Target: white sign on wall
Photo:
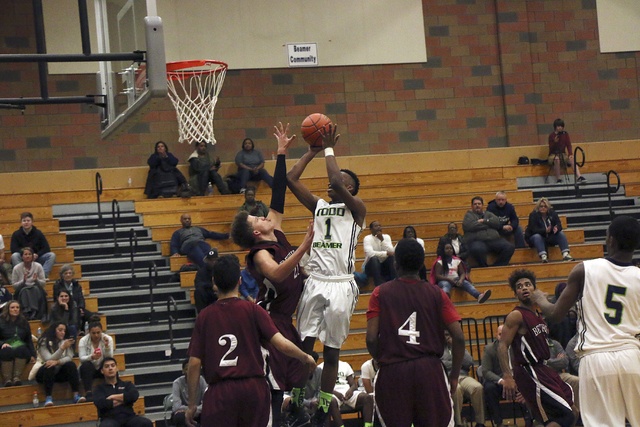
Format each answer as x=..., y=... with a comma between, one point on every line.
x=302, y=54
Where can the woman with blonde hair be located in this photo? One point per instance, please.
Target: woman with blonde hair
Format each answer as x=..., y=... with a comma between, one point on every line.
x=545, y=229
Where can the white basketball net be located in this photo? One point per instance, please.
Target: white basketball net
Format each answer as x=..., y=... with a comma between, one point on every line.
x=194, y=94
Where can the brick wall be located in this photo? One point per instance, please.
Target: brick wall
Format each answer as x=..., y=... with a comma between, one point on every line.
x=494, y=78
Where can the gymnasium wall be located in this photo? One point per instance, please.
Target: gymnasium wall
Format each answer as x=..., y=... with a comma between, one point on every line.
x=498, y=74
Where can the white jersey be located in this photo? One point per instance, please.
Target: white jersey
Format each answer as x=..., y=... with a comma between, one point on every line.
x=609, y=309
x=333, y=250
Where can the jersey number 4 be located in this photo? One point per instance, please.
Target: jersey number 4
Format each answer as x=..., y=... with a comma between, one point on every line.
x=408, y=329
x=616, y=306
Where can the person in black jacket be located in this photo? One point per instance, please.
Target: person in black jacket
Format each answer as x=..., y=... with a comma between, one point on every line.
x=16, y=346
x=28, y=236
x=115, y=398
x=506, y=213
x=205, y=292
x=164, y=179
x=545, y=229
x=454, y=239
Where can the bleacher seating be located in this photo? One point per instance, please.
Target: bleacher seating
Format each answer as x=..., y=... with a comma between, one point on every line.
x=426, y=199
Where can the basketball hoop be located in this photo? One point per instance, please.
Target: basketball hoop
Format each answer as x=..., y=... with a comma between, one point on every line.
x=193, y=89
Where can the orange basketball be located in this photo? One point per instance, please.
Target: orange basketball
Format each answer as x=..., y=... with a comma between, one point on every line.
x=312, y=127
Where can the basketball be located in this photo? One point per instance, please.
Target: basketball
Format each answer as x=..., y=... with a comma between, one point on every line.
x=312, y=127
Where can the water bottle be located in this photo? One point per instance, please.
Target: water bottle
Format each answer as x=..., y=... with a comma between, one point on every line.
x=86, y=327
x=36, y=401
x=39, y=332
x=129, y=181
x=209, y=190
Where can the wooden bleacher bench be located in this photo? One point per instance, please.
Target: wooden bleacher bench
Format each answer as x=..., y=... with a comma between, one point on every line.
x=45, y=225
x=62, y=414
x=38, y=212
x=35, y=324
x=23, y=394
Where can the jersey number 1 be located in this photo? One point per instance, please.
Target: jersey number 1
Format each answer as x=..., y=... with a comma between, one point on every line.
x=408, y=329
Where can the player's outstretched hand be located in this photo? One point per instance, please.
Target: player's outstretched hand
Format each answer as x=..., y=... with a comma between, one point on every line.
x=330, y=137
x=189, y=416
x=308, y=238
x=538, y=295
x=509, y=389
x=281, y=134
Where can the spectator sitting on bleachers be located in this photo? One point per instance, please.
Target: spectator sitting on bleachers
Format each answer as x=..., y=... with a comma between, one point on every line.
x=253, y=206
x=449, y=272
x=189, y=241
x=5, y=267
x=205, y=292
x=64, y=310
x=55, y=352
x=16, y=346
x=71, y=285
x=468, y=387
x=559, y=362
x=114, y=399
x=28, y=236
x=93, y=348
x=456, y=240
x=180, y=395
x=492, y=382
x=378, y=255
x=28, y=283
x=368, y=372
x=481, y=235
x=545, y=229
x=248, y=286
x=250, y=164
x=348, y=397
x=506, y=213
x=203, y=170
x=560, y=151
x=409, y=232
x=164, y=179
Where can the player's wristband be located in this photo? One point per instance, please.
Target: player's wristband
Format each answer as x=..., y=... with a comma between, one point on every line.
x=328, y=152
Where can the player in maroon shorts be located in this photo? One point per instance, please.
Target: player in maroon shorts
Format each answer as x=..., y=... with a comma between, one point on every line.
x=405, y=334
x=226, y=344
x=273, y=262
x=549, y=398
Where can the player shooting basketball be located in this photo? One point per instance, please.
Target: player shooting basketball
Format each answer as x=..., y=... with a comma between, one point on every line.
x=330, y=294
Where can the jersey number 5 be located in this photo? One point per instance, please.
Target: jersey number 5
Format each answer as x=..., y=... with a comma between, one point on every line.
x=408, y=329
x=232, y=342
x=616, y=306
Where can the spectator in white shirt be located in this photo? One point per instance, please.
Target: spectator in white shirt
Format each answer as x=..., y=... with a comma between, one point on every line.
x=378, y=255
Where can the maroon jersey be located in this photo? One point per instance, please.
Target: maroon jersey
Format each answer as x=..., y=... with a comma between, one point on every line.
x=413, y=315
x=531, y=348
x=278, y=298
x=227, y=338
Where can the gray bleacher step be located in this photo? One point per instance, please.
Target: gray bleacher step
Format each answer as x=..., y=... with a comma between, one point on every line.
x=108, y=243
x=124, y=291
x=158, y=345
x=135, y=308
x=541, y=181
x=123, y=273
x=145, y=327
x=90, y=208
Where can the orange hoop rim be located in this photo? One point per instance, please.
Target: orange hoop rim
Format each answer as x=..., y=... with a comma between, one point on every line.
x=175, y=69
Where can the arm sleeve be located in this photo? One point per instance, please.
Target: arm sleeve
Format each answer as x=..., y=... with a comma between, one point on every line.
x=100, y=399
x=43, y=244
x=369, y=252
x=513, y=218
x=554, y=362
x=130, y=393
x=470, y=223
x=488, y=368
x=555, y=219
x=15, y=245
x=214, y=234
x=177, y=399
x=279, y=184
x=108, y=349
x=175, y=243
x=153, y=161
x=172, y=160
x=83, y=354
x=374, y=305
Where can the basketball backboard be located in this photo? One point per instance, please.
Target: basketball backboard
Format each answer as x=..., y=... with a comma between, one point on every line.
x=131, y=89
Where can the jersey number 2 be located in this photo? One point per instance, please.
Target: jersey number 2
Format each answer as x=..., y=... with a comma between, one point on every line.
x=232, y=342
x=408, y=329
x=616, y=306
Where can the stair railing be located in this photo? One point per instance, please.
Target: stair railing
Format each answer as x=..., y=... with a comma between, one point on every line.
x=171, y=303
x=576, y=165
x=115, y=207
x=153, y=279
x=133, y=249
x=609, y=191
x=98, y=194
